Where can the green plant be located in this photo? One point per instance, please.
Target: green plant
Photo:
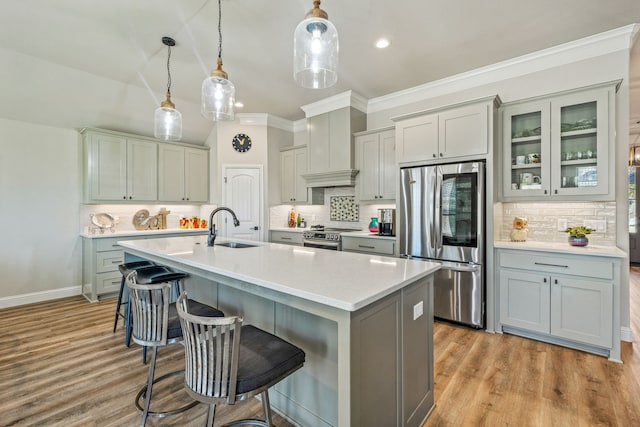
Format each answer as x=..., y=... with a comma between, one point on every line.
x=579, y=230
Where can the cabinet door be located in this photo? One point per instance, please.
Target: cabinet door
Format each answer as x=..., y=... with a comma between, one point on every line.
x=526, y=158
x=287, y=176
x=463, y=131
x=525, y=300
x=196, y=175
x=171, y=173
x=581, y=310
x=368, y=162
x=300, y=168
x=388, y=168
x=107, y=167
x=142, y=170
x=417, y=138
x=579, y=143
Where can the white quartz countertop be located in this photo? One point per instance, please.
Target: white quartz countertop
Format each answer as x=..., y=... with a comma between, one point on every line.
x=564, y=248
x=367, y=234
x=347, y=281
x=133, y=233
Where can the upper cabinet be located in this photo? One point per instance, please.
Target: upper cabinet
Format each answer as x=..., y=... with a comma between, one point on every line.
x=120, y=168
x=561, y=146
x=376, y=161
x=126, y=168
x=183, y=174
x=456, y=132
x=293, y=164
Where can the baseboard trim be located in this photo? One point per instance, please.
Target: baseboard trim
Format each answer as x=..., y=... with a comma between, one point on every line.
x=626, y=334
x=16, y=300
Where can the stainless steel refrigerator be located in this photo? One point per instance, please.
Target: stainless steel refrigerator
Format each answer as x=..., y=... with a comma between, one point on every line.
x=441, y=218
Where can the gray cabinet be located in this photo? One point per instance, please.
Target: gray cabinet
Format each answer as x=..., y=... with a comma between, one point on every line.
x=565, y=299
x=561, y=146
x=101, y=257
x=183, y=174
x=369, y=245
x=293, y=164
x=376, y=162
x=455, y=132
x=286, y=237
x=119, y=168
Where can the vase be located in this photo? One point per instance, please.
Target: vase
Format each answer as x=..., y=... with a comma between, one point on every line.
x=373, y=225
x=578, y=240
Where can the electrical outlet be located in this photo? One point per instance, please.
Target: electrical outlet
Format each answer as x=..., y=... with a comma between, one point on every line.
x=417, y=310
x=562, y=224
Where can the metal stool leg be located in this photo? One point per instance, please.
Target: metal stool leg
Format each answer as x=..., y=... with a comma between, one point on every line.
x=147, y=399
x=115, y=321
x=267, y=407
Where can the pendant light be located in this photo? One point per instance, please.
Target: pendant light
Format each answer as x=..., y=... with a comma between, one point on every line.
x=315, y=50
x=218, y=93
x=168, y=120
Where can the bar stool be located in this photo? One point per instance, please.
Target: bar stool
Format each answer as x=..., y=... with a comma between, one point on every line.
x=125, y=270
x=241, y=361
x=156, y=324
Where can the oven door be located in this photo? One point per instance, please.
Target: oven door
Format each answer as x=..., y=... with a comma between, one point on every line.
x=322, y=244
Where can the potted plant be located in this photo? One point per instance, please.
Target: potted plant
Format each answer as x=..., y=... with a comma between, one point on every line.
x=578, y=235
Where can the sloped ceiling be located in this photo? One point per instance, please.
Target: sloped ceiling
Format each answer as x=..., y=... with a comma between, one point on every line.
x=76, y=63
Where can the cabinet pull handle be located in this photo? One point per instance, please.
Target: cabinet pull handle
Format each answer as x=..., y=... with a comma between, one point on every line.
x=115, y=246
x=285, y=238
x=115, y=262
x=117, y=282
x=551, y=265
x=555, y=281
x=544, y=280
x=366, y=247
x=555, y=191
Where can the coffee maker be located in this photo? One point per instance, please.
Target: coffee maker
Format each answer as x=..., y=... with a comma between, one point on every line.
x=386, y=222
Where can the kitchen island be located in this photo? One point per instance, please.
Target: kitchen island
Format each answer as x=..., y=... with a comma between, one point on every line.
x=365, y=323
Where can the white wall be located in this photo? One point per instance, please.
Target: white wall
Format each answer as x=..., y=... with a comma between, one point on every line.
x=40, y=176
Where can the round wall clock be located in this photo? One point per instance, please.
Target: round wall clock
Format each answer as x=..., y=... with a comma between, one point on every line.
x=241, y=143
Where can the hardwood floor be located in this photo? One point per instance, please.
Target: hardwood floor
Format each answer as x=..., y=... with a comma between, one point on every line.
x=60, y=365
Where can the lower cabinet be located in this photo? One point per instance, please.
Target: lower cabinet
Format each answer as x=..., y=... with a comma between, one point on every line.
x=286, y=237
x=100, y=261
x=369, y=245
x=565, y=299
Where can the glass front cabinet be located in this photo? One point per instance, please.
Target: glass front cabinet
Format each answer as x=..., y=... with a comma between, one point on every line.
x=560, y=146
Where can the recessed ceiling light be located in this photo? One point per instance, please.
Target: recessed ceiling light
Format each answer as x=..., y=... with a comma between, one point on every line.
x=238, y=104
x=382, y=43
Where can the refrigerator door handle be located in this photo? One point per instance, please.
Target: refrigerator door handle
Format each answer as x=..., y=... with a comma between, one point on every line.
x=457, y=266
x=437, y=196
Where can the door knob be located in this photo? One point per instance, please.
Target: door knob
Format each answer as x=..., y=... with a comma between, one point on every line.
x=254, y=228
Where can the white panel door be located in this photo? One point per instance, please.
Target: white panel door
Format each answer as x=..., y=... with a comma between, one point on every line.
x=242, y=193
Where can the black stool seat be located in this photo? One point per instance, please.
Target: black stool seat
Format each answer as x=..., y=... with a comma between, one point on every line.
x=127, y=268
x=157, y=274
x=174, y=330
x=264, y=358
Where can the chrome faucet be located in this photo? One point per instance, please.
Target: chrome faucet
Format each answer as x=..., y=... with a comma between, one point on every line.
x=212, y=228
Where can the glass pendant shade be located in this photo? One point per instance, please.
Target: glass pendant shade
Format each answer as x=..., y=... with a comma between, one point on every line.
x=168, y=123
x=315, y=53
x=218, y=98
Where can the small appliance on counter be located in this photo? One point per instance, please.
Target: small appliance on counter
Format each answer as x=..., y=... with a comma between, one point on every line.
x=386, y=222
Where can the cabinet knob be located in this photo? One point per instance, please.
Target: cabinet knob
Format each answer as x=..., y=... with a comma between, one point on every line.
x=124, y=197
x=130, y=198
x=555, y=281
x=187, y=198
x=440, y=154
x=555, y=191
x=545, y=191
x=434, y=155
x=544, y=280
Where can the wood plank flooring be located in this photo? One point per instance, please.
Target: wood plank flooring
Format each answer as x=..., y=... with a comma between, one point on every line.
x=61, y=365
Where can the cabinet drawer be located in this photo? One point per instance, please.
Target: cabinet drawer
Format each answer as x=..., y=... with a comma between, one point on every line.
x=109, y=261
x=369, y=245
x=108, y=244
x=108, y=282
x=286, y=237
x=578, y=266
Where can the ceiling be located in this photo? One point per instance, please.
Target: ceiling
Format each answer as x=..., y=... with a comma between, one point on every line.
x=88, y=63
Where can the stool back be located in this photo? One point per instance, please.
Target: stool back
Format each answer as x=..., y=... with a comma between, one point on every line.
x=150, y=311
x=211, y=354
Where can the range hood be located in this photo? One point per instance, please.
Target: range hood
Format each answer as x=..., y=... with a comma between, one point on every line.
x=330, y=126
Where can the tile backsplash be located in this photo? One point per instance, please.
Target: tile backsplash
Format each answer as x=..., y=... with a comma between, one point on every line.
x=543, y=220
x=321, y=214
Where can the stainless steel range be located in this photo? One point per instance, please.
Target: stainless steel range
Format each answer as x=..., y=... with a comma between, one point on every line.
x=323, y=237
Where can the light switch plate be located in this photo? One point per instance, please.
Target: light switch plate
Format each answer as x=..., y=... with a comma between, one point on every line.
x=562, y=224
x=417, y=310
x=600, y=225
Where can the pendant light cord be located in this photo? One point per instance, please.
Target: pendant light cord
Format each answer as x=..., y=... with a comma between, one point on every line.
x=168, y=71
x=219, y=28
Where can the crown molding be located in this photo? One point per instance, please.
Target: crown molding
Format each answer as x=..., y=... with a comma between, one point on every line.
x=265, y=119
x=577, y=50
x=300, y=125
x=341, y=100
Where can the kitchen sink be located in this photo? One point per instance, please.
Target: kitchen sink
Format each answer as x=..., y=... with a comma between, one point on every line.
x=236, y=245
